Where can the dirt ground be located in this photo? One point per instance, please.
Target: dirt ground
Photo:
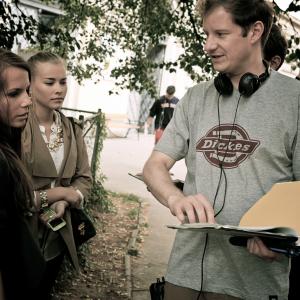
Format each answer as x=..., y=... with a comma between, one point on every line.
x=103, y=274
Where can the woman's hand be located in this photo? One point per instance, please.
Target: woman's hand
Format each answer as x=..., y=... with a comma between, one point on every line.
x=55, y=211
x=72, y=197
x=59, y=207
x=68, y=194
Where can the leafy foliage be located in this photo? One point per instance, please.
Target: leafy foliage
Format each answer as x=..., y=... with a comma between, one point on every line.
x=14, y=22
x=91, y=31
x=98, y=195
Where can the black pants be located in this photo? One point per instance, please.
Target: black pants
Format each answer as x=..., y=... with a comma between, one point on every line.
x=294, y=292
x=174, y=292
x=52, y=269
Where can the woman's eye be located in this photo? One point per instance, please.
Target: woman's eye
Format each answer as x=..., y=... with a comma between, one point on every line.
x=49, y=83
x=13, y=94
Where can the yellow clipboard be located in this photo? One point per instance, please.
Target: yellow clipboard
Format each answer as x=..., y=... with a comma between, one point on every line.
x=280, y=207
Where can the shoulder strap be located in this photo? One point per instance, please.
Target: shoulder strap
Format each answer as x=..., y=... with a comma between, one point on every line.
x=71, y=119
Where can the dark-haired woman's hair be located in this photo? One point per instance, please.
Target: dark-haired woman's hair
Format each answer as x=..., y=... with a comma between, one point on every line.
x=10, y=141
x=43, y=57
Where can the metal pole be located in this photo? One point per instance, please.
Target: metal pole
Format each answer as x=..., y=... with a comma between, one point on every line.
x=96, y=147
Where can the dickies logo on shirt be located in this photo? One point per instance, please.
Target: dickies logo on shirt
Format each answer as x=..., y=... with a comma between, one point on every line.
x=227, y=145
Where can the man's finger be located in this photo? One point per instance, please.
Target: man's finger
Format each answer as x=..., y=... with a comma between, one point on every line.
x=204, y=210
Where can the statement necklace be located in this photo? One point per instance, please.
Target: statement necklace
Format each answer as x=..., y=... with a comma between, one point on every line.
x=58, y=140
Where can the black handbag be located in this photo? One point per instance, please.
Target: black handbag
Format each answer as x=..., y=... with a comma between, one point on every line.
x=157, y=289
x=82, y=225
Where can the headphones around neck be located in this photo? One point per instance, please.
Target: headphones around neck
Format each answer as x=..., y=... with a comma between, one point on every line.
x=248, y=84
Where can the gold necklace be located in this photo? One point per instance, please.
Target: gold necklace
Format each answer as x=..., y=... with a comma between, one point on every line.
x=58, y=140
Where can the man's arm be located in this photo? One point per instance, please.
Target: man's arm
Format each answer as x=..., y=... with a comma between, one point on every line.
x=156, y=175
x=155, y=109
x=195, y=207
x=149, y=120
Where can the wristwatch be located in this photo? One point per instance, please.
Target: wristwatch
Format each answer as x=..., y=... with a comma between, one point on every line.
x=44, y=200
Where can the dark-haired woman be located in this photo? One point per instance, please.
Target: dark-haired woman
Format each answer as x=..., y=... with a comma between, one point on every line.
x=21, y=262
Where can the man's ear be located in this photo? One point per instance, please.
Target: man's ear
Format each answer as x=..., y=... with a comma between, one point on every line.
x=275, y=62
x=256, y=31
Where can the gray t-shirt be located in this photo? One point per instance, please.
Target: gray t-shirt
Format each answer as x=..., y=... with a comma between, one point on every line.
x=262, y=149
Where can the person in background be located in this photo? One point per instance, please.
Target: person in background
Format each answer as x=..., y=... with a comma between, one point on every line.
x=238, y=138
x=276, y=48
x=162, y=110
x=21, y=262
x=56, y=158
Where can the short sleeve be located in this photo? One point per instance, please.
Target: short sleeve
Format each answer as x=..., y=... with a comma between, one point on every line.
x=155, y=109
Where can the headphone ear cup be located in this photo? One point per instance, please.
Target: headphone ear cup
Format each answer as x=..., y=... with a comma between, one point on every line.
x=223, y=84
x=248, y=84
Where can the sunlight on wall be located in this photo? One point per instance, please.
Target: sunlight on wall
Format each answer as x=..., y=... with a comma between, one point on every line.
x=91, y=96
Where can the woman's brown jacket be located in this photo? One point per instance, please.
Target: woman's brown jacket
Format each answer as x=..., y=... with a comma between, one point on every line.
x=75, y=171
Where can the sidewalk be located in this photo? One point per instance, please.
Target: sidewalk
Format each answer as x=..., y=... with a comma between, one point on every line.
x=123, y=155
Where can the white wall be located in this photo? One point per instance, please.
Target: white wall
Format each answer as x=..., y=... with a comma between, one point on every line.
x=180, y=79
x=93, y=96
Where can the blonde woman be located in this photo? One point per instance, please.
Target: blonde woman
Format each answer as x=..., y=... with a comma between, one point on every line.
x=57, y=161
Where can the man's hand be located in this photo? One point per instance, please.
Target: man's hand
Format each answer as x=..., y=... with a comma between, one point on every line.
x=257, y=247
x=196, y=207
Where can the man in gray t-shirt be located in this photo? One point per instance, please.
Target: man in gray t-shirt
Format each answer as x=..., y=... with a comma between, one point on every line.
x=239, y=135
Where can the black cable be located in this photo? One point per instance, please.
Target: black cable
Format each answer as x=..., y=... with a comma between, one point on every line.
x=222, y=171
x=225, y=193
x=202, y=263
x=225, y=154
x=220, y=164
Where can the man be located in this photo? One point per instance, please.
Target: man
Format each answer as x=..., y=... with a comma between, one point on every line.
x=275, y=48
x=239, y=136
x=162, y=109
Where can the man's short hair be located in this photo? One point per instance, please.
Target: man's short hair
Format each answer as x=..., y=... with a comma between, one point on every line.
x=244, y=13
x=171, y=90
x=275, y=45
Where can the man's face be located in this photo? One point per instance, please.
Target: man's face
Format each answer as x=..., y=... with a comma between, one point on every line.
x=225, y=44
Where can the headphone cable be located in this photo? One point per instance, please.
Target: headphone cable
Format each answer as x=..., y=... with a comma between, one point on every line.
x=222, y=171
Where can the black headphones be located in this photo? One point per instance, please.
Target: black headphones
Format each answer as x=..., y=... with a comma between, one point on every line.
x=249, y=83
